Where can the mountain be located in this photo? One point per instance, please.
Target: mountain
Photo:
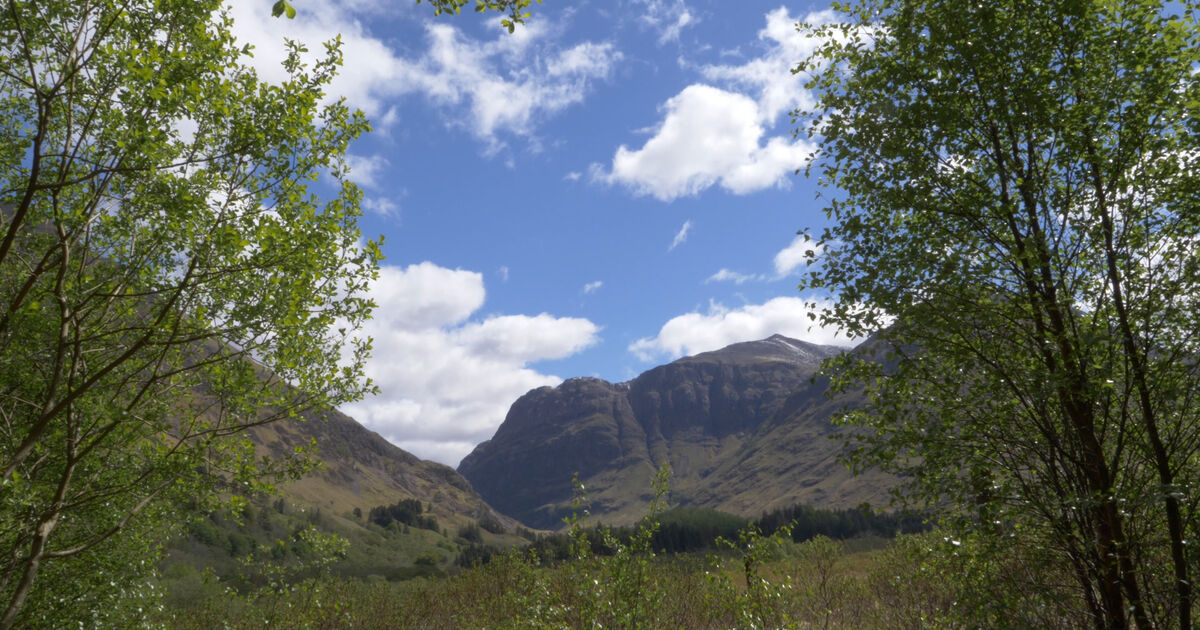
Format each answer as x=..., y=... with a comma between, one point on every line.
x=745, y=429
x=361, y=469
x=433, y=515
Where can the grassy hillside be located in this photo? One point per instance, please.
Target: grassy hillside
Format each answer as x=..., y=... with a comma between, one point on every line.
x=321, y=522
x=276, y=541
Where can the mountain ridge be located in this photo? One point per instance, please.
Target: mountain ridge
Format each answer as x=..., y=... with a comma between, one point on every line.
x=744, y=428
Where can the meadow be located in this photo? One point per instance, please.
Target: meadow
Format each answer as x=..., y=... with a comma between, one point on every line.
x=925, y=580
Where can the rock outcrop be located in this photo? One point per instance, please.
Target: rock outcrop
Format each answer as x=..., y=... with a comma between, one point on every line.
x=745, y=429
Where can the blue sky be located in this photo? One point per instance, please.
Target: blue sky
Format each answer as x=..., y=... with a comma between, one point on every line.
x=607, y=189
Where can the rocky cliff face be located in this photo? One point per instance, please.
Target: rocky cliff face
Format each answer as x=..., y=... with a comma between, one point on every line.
x=745, y=429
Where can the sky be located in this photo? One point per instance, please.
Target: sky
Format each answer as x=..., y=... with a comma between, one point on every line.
x=607, y=189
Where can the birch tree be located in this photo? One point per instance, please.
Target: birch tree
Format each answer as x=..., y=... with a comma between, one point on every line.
x=169, y=277
x=1012, y=189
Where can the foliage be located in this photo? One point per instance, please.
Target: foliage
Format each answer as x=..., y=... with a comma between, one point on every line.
x=153, y=184
x=237, y=550
x=514, y=9
x=471, y=533
x=920, y=581
x=491, y=523
x=477, y=554
x=683, y=529
x=690, y=529
x=757, y=604
x=1012, y=189
x=806, y=522
x=404, y=511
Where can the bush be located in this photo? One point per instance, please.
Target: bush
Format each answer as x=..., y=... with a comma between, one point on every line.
x=490, y=523
x=405, y=511
x=470, y=533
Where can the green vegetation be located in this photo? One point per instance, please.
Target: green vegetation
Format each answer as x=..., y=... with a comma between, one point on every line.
x=754, y=581
x=806, y=522
x=151, y=182
x=690, y=529
x=405, y=512
x=1012, y=191
x=586, y=577
x=275, y=541
x=514, y=9
x=1013, y=202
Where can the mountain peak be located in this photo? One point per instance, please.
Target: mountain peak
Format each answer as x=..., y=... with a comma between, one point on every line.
x=743, y=429
x=774, y=348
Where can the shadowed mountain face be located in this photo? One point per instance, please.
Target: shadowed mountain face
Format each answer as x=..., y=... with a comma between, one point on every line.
x=745, y=429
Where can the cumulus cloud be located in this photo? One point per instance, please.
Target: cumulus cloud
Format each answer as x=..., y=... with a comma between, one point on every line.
x=317, y=22
x=447, y=376
x=786, y=261
x=501, y=85
x=720, y=326
x=794, y=255
x=709, y=136
x=769, y=77
x=722, y=133
x=681, y=235
x=592, y=287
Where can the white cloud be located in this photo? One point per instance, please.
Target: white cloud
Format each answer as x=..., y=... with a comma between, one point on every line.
x=506, y=85
x=709, y=136
x=720, y=326
x=786, y=261
x=669, y=19
x=794, y=255
x=769, y=77
x=502, y=85
x=681, y=235
x=365, y=171
x=726, y=275
x=573, y=176
x=425, y=296
x=503, y=271
x=381, y=206
x=592, y=287
x=722, y=134
x=525, y=338
x=370, y=63
x=446, y=380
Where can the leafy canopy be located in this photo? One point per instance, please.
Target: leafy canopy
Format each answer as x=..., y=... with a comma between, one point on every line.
x=515, y=9
x=170, y=276
x=1013, y=193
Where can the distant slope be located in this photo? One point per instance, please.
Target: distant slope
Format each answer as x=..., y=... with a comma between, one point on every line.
x=363, y=470
x=745, y=429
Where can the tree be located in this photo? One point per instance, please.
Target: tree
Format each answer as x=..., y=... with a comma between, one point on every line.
x=1012, y=187
x=168, y=279
x=514, y=9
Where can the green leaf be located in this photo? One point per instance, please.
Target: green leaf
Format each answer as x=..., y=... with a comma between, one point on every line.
x=282, y=7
